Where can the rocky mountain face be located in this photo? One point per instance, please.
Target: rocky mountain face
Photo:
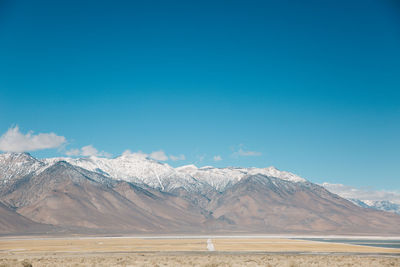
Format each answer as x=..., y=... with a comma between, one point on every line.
x=134, y=194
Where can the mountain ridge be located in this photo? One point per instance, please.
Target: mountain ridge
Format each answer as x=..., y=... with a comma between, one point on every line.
x=82, y=194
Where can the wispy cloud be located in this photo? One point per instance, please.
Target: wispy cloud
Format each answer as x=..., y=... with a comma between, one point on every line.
x=362, y=194
x=158, y=155
x=15, y=141
x=87, y=151
x=217, y=158
x=139, y=153
x=176, y=158
x=200, y=159
x=246, y=153
x=127, y=153
x=73, y=152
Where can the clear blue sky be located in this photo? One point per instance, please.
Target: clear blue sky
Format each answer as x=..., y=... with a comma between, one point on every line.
x=314, y=87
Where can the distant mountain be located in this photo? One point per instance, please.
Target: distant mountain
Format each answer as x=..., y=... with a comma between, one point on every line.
x=378, y=200
x=359, y=203
x=384, y=205
x=135, y=194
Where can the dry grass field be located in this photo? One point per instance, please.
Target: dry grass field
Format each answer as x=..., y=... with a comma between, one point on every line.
x=188, y=252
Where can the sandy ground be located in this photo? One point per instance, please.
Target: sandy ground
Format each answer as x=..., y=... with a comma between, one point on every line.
x=189, y=252
x=179, y=244
x=205, y=259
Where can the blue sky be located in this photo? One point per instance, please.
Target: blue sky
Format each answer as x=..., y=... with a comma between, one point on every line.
x=310, y=87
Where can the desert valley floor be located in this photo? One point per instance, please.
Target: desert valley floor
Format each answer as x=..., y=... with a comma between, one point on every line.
x=189, y=251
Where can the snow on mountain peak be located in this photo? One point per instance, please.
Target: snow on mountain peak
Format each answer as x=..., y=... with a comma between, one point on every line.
x=274, y=172
x=186, y=167
x=139, y=168
x=220, y=178
x=16, y=165
x=207, y=167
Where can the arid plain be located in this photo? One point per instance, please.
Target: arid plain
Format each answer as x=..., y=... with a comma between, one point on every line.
x=178, y=251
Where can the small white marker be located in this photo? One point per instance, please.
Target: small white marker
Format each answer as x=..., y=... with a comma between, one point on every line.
x=210, y=245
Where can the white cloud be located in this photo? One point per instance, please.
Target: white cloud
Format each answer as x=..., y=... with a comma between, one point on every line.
x=158, y=155
x=246, y=153
x=127, y=153
x=141, y=154
x=362, y=194
x=73, y=152
x=217, y=158
x=92, y=151
x=176, y=158
x=15, y=141
x=87, y=151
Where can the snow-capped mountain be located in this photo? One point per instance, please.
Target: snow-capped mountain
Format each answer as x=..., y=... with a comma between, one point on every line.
x=133, y=193
x=359, y=203
x=133, y=167
x=16, y=165
x=136, y=168
x=384, y=205
x=367, y=198
x=130, y=167
x=220, y=178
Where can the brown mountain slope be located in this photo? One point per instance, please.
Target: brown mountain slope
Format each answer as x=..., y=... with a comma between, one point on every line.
x=270, y=205
x=68, y=196
x=180, y=215
x=13, y=223
x=63, y=196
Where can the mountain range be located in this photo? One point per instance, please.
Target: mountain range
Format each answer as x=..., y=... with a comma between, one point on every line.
x=136, y=194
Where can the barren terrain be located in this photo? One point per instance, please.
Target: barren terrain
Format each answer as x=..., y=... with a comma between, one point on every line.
x=130, y=251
